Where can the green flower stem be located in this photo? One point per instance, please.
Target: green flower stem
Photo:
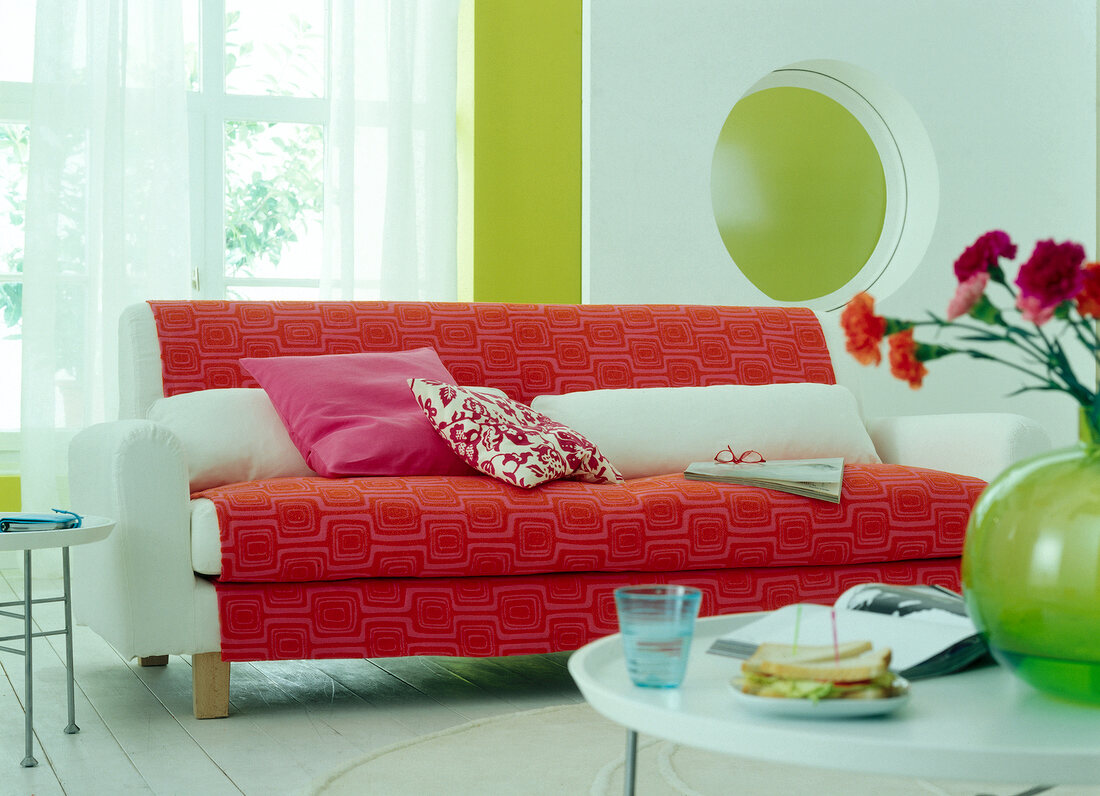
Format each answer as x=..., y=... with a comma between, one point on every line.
x=1078, y=390
x=1090, y=342
x=1059, y=363
x=1070, y=384
x=939, y=351
x=1093, y=326
x=1038, y=377
x=895, y=325
x=1025, y=344
x=1050, y=354
x=999, y=278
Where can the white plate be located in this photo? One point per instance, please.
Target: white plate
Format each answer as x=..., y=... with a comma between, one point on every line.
x=823, y=708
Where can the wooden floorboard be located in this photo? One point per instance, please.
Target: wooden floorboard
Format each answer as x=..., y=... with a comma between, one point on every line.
x=40, y=780
x=71, y=760
x=452, y=687
x=386, y=698
x=291, y=722
x=517, y=682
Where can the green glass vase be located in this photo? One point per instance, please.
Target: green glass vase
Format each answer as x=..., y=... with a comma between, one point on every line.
x=1031, y=570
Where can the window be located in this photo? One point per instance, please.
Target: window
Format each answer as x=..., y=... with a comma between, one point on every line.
x=243, y=155
x=16, y=63
x=258, y=111
x=256, y=73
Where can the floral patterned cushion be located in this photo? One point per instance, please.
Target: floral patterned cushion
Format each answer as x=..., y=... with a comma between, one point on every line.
x=508, y=440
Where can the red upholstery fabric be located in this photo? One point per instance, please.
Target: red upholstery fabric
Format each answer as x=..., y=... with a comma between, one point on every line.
x=501, y=616
x=471, y=566
x=525, y=350
x=314, y=529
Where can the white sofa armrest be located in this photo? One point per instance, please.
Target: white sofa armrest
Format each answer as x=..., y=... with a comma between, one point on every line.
x=136, y=588
x=978, y=444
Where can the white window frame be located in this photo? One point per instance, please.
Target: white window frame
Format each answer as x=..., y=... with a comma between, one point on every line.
x=15, y=108
x=209, y=109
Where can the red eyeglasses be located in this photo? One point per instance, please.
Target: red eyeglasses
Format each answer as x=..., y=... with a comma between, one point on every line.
x=727, y=456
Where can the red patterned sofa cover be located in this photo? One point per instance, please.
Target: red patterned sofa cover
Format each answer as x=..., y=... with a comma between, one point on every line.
x=383, y=566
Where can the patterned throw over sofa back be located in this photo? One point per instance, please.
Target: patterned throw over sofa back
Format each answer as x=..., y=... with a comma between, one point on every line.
x=525, y=350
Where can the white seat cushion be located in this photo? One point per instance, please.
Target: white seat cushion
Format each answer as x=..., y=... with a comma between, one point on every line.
x=206, y=540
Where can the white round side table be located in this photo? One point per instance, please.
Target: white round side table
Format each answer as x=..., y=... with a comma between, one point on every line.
x=91, y=529
x=978, y=724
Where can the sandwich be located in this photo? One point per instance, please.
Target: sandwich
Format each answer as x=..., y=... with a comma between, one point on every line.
x=848, y=671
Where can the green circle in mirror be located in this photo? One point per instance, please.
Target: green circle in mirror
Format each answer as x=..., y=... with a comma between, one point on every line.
x=798, y=192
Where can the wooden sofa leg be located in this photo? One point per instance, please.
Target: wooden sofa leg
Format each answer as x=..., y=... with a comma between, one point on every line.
x=153, y=660
x=210, y=685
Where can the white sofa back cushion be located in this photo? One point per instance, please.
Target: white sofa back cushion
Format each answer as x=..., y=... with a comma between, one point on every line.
x=228, y=436
x=658, y=430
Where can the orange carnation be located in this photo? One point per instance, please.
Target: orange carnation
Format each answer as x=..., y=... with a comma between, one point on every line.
x=863, y=329
x=903, y=359
x=1088, y=300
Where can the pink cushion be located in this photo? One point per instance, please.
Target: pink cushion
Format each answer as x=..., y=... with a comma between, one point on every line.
x=352, y=414
x=508, y=440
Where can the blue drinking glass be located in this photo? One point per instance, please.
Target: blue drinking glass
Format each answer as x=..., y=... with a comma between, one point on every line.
x=656, y=623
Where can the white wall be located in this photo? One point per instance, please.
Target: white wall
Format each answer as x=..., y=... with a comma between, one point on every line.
x=1005, y=88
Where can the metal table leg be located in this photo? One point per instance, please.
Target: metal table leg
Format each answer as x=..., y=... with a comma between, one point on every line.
x=71, y=728
x=28, y=760
x=630, y=770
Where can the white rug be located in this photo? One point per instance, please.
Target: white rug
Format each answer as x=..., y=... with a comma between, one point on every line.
x=574, y=750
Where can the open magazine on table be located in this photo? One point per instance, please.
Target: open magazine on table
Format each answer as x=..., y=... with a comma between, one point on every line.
x=814, y=478
x=926, y=628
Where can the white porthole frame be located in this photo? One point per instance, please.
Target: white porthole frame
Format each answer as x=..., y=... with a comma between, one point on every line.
x=908, y=165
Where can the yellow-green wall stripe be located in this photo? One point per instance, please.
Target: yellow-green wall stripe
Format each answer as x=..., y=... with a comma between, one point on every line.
x=10, y=499
x=519, y=150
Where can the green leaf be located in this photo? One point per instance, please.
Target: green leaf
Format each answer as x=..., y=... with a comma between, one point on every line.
x=978, y=337
x=1047, y=387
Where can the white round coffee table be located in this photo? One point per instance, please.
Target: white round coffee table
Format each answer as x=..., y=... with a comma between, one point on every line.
x=91, y=529
x=981, y=724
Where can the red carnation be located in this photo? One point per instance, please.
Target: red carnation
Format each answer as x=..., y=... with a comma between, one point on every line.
x=903, y=359
x=1088, y=300
x=983, y=254
x=1052, y=275
x=863, y=329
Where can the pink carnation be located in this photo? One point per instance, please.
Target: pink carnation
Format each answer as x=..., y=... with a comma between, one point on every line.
x=967, y=295
x=1052, y=275
x=1033, y=310
x=983, y=253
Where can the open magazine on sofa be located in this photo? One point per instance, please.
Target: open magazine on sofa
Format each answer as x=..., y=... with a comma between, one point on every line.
x=926, y=627
x=814, y=478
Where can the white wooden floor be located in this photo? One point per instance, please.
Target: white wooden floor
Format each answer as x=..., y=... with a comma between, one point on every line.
x=289, y=723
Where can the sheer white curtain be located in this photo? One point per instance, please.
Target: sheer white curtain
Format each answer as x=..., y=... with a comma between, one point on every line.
x=108, y=195
x=390, y=177
x=107, y=211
